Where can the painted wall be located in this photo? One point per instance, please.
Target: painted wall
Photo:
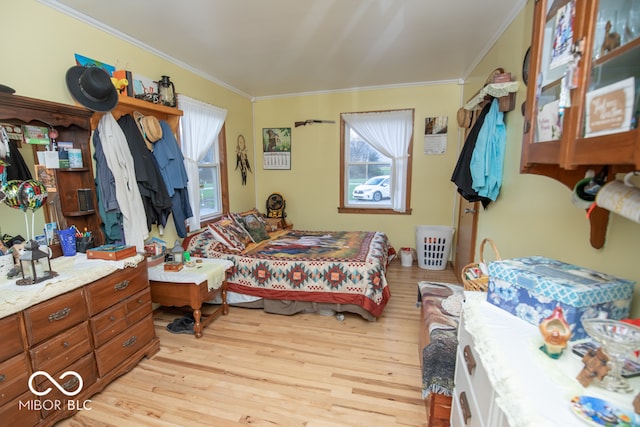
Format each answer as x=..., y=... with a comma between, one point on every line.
x=312, y=186
x=41, y=44
x=534, y=214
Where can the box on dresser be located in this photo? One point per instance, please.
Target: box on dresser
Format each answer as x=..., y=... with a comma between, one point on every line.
x=531, y=287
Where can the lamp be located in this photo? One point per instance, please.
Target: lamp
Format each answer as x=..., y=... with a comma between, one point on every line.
x=177, y=252
x=33, y=266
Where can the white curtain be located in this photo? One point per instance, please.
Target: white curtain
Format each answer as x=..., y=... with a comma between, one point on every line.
x=199, y=129
x=390, y=133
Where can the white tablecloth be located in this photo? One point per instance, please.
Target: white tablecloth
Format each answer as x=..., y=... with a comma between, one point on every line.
x=211, y=270
x=532, y=389
x=73, y=272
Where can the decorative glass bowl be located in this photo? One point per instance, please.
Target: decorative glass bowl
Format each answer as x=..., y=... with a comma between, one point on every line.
x=618, y=340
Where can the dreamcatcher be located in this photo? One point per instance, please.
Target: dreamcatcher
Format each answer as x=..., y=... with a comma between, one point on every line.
x=242, y=160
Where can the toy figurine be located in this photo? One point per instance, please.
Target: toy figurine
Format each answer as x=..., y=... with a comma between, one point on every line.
x=555, y=332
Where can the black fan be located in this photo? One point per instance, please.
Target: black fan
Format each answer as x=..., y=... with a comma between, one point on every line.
x=275, y=206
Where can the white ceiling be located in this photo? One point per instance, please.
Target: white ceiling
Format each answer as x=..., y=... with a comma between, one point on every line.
x=263, y=48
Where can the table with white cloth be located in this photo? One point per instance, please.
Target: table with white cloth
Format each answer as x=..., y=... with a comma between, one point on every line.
x=191, y=287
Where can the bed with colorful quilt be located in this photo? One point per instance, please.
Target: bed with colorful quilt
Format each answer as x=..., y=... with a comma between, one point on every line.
x=292, y=271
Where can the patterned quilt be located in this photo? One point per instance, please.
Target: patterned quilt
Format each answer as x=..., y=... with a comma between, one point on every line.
x=339, y=267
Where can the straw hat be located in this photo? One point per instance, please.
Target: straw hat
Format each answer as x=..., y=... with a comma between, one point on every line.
x=92, y=87
x=149, y=127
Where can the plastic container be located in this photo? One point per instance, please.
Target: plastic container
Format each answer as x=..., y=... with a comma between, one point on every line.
x=68, y=241
x=406, y=257
x=433, y=244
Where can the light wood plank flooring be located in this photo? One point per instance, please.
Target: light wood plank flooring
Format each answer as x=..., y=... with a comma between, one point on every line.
x=271, y=370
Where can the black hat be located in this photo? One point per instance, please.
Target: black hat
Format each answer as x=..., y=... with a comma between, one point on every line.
x=92, y=87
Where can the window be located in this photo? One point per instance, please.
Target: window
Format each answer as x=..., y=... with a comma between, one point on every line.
x=202, y=133
x=375, y=172
x=212, y=174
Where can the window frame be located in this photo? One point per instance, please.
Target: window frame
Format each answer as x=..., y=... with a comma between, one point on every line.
x=224, y=179
x=343, y=208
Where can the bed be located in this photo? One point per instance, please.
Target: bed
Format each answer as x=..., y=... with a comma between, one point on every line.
x=438, y=342
x=293, y=271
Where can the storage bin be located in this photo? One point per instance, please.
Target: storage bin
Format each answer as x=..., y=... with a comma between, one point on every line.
x=531, y=287
x=433, y=244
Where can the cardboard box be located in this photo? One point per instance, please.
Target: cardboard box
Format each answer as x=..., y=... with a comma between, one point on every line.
x=530, y=288
x=111, y=252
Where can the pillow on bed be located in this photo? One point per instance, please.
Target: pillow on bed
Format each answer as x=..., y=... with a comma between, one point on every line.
x=228, y=232
x=253, y=224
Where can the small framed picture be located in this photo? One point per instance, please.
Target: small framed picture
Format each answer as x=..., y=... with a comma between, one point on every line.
x=47, y=177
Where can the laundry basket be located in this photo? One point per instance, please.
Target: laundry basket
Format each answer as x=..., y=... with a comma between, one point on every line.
x=433, y=244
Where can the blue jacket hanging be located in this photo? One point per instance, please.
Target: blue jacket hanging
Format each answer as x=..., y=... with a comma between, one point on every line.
x=487, y=161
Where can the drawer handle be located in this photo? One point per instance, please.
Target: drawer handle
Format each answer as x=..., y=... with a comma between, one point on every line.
x=65, y=344
x=140, y=300
x=60, y=314
x=469, y=359
x=2, y=378
x=112, y=317
x=130, y=341
x=122, y=285
x=464, y=405
x=71, y=384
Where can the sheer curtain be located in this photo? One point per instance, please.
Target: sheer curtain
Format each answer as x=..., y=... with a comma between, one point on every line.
x=390, y=133
x=199, y=129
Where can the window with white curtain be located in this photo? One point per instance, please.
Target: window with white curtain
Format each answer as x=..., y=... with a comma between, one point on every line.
x=376, y=149
x=202, y=137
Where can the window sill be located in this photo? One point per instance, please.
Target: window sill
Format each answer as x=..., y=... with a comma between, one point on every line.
x=372, y=211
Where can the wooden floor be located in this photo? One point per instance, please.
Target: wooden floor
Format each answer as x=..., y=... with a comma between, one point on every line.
x=271, y=370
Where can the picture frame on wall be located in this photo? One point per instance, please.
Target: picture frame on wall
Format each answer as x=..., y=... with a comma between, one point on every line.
x=276, y=147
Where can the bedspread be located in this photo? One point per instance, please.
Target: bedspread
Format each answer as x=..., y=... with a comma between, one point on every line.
x=339, y=267
x=441, y=305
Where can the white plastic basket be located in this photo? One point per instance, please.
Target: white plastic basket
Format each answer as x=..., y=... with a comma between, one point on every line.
x=433, y=244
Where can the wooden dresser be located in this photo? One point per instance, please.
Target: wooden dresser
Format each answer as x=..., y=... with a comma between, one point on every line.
x=100, y=331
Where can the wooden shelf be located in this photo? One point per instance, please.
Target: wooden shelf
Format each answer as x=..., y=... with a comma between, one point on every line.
x=128, y=105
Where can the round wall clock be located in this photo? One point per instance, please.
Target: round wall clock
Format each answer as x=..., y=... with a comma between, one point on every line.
x=525, y=66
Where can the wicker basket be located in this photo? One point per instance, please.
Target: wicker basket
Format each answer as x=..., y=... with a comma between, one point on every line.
x=472, y=276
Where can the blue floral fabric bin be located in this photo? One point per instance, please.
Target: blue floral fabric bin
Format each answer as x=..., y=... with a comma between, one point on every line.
x=530, y=288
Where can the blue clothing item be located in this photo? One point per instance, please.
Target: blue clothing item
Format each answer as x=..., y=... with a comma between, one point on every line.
x=487, y=161
x=170, y=160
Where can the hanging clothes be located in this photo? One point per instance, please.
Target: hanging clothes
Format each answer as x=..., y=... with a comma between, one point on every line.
x=487, y=161
x=17, y=168
x=170, y=160
x=155, y=198
x=462, y=172
x=106, y=195
x=120, y=162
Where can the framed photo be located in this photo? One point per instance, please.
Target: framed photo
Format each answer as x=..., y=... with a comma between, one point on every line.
x=276, y=147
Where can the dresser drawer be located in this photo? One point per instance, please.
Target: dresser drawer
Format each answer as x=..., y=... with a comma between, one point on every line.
x=10, y=337
x=117, y=287
x=13, y=415
x=59, y=352
x=465, y=408
x=48, y=318
x=474, y=370
x=108, y=324
x=139, y=306
x=86, y=368
x=124, y=345
x=14, y=377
